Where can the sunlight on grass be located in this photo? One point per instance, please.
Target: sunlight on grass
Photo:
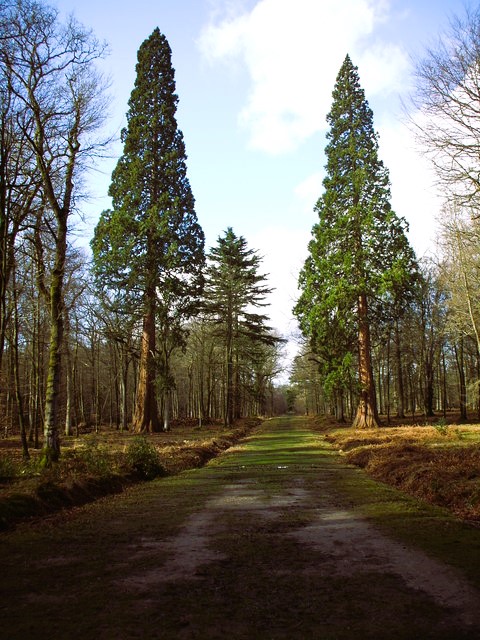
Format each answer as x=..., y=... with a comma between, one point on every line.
x=439, y=464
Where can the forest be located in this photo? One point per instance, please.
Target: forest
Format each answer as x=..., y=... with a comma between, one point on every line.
x=152, y=329
x=163, y=472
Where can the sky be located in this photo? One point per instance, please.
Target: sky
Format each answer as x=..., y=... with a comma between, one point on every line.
x=254, y=80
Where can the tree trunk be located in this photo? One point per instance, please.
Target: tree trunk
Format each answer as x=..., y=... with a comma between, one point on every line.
x=166, y=410
x=68, y=382
x=146, y=410
x=36, y=395
x=387, y=381
x=229, y=388
x=459, y=358
x=68, y=403
x=400, y=385
x=339, y=412
x=51, y=443
x=429, y=394
x=478, y=384
x=367, y=414
x=444, y=384
x=124, y=364
x=237, y=399
x=16, y=371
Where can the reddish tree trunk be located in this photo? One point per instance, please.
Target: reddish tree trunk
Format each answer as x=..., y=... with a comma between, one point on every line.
x=367, y=414
x=146, y=410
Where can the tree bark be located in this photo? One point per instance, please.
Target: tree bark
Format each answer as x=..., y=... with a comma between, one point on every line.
x=146, y=411
x=229, y=392
x=166, y=410
x=429, y=394
x=51, y=443
x=367, y=414
x=22, y=418
x=400, y=385
x=124, y=364
x=460, y=360
x=68, y=381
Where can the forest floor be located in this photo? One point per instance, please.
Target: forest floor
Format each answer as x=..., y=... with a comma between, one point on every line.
x=279, y=537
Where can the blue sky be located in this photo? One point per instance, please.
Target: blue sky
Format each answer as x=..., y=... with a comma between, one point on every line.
x=254, y=80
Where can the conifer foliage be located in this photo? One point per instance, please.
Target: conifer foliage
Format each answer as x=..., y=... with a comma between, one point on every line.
x=359, y=252
x=234, y=290
x=150, y=247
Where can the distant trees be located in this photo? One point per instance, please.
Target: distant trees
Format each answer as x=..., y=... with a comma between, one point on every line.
x=359, y=254
x=423, y=321
x=101, y=347
x=446, y=120
x=150, y=247
x=459, y=273
x=19, y=186
x=138, y=340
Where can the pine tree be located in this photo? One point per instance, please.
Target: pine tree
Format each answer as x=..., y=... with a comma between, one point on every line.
x=150, y=246
x=358, y=249
x=233, y=289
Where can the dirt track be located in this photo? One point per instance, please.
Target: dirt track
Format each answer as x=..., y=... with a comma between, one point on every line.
x=263, y=543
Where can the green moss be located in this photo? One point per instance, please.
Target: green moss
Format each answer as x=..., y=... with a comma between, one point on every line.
x=49, y=457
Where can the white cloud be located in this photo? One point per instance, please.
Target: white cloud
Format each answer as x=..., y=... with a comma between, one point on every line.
x=310, y=189
x=414, y=195
x=293, y=50
x=284, y=251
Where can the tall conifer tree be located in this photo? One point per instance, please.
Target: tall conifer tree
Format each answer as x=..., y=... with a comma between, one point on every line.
x=233, y=289
x=150, y=247
x=359, y=251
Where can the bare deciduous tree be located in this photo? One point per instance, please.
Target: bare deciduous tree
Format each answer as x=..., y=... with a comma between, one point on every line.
x=447, y=107
x=52, y=74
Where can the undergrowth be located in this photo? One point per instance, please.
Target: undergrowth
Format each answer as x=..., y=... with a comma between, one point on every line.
x=439, y=463
x=143, y=460
x=96, y=465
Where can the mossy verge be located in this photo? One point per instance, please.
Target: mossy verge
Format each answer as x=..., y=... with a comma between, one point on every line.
x=51, y=494
x=49, y=497
x=439, y=466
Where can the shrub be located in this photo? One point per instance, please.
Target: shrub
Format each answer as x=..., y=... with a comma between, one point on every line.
x=91, y=459
x=8, y=468
x=441, y=427
x=143, y=460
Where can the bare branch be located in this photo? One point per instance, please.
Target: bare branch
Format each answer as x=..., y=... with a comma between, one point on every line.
x=446, y=107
